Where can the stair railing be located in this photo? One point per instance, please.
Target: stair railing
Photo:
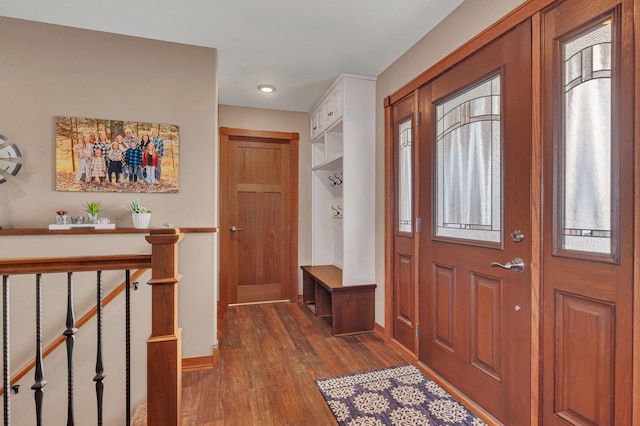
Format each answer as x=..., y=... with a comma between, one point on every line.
x=163, y=346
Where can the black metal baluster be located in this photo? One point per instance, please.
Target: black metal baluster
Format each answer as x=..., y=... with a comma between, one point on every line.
x=99, y=367
x=5, y=349
x=127, y=292
x=70, y=333
x=40, y=383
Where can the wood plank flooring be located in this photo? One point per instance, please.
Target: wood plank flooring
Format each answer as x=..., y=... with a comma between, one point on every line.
x=270, y=356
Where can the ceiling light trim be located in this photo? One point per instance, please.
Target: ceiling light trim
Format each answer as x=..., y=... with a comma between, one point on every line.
x=266, y=88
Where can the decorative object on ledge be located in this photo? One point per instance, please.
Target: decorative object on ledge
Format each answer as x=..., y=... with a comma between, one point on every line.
x=92, y=209
x=8, y=156
x=92, y=231
x=140, y=214
x=99, y=155
x=61, y=217
x=82, y=226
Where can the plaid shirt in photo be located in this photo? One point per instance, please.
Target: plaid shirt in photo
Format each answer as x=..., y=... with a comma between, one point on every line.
x=158, y=144
x=133, y=156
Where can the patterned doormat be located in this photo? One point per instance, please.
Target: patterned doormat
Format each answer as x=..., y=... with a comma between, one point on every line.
x=392, y=396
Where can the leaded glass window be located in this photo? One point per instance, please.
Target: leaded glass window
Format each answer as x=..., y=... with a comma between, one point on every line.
x=587, y=141
x=405, y=176
x=468, y=164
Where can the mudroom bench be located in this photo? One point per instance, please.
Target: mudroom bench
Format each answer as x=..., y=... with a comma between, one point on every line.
x=349, y=309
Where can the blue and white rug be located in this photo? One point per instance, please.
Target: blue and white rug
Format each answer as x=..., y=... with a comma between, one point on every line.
x=392, y=396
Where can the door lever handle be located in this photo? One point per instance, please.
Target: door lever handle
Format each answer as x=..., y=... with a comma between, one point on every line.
x=516, y=264
x=234, y=229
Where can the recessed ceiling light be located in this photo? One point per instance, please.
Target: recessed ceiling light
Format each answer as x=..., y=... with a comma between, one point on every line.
x=267, y=88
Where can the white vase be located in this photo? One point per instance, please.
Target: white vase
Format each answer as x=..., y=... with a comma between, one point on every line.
x=93, y=218
x=141, y=220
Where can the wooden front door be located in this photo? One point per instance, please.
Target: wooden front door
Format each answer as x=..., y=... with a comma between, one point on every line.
x=404, y=273
x=588, y=180
x=258, y=216
x=475, y=162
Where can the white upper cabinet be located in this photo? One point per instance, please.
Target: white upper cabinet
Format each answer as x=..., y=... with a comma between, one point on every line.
x=331, y=107
x=328, y=110
x=317, y=121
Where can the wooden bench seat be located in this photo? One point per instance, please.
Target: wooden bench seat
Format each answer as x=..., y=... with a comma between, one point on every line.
x=350, y=309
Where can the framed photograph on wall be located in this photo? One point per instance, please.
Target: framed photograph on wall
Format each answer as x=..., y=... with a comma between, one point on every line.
x=98, y=155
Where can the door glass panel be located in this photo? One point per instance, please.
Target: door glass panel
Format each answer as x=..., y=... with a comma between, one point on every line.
x=587, y=141
x=405, y=176
x=468, y=163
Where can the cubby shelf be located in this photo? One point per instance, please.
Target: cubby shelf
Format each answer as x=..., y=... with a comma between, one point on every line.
x=343, y=149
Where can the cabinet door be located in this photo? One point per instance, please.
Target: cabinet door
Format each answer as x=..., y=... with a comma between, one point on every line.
x=317, y=121
x=337, y=97
x=320, y=120
x=313, y=116
x=333, y=106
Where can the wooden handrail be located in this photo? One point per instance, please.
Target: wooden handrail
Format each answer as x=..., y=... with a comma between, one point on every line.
x=47, y=265
x=82, y=321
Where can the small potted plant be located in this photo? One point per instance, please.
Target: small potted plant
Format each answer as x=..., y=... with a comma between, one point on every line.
x=61, y=217
x=92, y=209
x=140, y=214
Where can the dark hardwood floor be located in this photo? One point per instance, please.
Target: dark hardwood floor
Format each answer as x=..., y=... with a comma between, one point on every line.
x=270, y=356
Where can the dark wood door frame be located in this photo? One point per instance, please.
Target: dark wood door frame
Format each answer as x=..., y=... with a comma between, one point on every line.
x=232, y=134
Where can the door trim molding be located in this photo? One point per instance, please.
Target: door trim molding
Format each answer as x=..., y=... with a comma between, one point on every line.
x=292, y=138
x=635, y=416
x=536, y=217
x=520, y=14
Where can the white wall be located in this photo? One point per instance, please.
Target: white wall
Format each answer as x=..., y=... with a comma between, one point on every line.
x=464, y=23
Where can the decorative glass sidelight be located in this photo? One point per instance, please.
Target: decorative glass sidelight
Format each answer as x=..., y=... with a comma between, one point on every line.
x=468, y=164
x=586, y=145
x=405, y=176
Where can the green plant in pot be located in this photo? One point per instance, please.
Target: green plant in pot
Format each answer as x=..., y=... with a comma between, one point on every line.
x=140, y=215
x=92, y=209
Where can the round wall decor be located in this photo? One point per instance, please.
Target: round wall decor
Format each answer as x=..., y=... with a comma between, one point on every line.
x=9, y=157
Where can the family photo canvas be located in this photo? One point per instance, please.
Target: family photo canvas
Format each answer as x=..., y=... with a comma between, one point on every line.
x=99, y=155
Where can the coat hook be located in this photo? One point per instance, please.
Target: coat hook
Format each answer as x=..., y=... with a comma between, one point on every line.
x=333, y=182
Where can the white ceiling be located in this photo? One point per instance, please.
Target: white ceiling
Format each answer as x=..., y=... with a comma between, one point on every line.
x=300, y=46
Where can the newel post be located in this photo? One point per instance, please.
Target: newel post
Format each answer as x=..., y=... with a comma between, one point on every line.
x=164, y=347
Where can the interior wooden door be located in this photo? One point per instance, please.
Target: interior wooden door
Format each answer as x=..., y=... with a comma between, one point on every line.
x=588, y=213
x=258, y=233
x=475, y=204
x=404, y=274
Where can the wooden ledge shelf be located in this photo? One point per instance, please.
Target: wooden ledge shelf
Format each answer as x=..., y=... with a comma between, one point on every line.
x=45, y=231
x=350, y=309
